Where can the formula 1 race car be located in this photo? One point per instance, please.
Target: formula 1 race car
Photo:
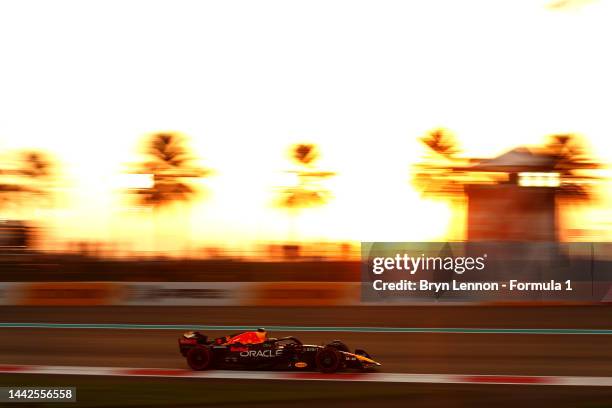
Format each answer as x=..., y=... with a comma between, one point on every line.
x=254, y=350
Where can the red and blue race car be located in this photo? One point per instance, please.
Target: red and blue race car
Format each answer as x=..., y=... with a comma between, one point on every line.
x=255, y=350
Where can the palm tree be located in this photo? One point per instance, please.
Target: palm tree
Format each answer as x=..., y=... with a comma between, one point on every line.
x=25, y=185
x=169, y=163
x=172, y=167
x=445, y=174
x=36, y=164
x=439, y=174
x=571, y=161
x=307, y=191
x=442, y=142
x=577, y=187
x=29, y=181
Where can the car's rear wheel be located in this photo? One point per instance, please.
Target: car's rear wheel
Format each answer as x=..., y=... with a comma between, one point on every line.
x=328, y=360
x=199, y=358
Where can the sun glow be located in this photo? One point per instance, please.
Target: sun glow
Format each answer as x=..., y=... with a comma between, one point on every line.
x=244, y=81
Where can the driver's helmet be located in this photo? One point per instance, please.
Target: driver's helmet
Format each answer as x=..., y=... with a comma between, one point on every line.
x=262, y=334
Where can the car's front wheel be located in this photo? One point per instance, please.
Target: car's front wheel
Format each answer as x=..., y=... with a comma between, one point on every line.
x=199, y=358
x=328, y=360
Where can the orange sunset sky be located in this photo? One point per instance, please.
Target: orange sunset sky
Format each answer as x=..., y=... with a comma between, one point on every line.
x=244, y=80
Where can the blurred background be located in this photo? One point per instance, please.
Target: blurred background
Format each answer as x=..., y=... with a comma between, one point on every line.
x=201, y=154
x=196, y=140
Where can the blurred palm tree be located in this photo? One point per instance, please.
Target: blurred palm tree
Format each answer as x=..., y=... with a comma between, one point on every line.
x=27, y=180
x=572, y=161
x=306, y=190
x=443, y=173
x=442, y=142
x=172, y=168
x=439, y=173
x=36, y=165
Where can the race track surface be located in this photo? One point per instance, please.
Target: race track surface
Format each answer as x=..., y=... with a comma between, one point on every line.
x=516, y=354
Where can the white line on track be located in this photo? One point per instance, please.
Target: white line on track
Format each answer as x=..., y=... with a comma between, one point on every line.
x=310, y=376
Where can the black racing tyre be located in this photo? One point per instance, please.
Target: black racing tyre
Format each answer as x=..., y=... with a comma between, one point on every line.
x=338, y=345
x=328, y=360
x=199, y=358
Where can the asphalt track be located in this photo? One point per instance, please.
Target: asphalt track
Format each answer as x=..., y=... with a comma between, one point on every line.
x=525, y=351
x=443, y=353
